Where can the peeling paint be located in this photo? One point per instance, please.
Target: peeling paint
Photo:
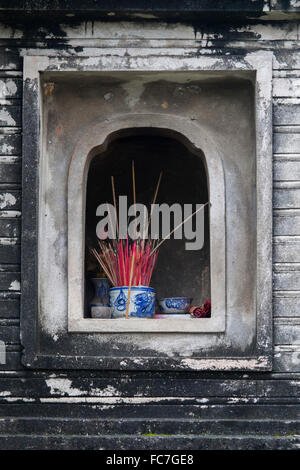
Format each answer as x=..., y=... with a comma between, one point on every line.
x=8, y=241
x=6, y=148
x=15, y=285
x=63, y=387
x=19, y=399
x=108, y=96
x=10, y=214
x=7, y=118
x=7, y=200
x=113, y=401
x=223, y=364
x=8, y=88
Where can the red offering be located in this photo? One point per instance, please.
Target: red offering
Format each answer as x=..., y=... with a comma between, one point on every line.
x=204, y=311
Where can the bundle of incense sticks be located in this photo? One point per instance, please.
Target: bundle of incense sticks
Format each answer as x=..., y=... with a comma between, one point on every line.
x=128, y=262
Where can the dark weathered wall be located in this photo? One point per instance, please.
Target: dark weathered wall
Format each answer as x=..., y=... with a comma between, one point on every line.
x=160, y=410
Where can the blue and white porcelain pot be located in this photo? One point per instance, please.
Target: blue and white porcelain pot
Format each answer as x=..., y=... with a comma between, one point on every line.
x=142, y=301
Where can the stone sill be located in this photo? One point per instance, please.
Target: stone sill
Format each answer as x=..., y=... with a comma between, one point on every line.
x=147, y=325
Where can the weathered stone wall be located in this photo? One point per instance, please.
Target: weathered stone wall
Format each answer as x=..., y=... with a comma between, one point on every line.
x=200, y=410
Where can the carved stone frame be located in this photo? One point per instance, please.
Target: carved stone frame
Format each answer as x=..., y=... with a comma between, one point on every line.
x=35, y=355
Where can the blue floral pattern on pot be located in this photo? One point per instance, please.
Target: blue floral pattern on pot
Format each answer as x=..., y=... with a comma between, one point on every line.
x=178, y=304
x=142, y=301
x=120, y=302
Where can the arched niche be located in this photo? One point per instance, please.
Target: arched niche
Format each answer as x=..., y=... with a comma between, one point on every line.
x=178, y=272
x=90, y=149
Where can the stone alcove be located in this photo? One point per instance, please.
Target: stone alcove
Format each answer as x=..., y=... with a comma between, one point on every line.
x=218, y=108
x=179, y=271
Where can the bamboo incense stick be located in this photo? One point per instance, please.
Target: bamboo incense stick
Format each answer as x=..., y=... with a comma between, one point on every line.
x=110, y=219
x=133, y=183
x=115, y=203
x=154, y=199
x=129, y=287
x=95, y=253
x=123, y=262
x=178, y=226
x=133, y=190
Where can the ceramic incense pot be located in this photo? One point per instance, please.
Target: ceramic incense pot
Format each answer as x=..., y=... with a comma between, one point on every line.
x=142, y=301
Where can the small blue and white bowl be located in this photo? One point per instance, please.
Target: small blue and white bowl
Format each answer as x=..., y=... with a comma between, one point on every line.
x=142, y=301
x=175, y=304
